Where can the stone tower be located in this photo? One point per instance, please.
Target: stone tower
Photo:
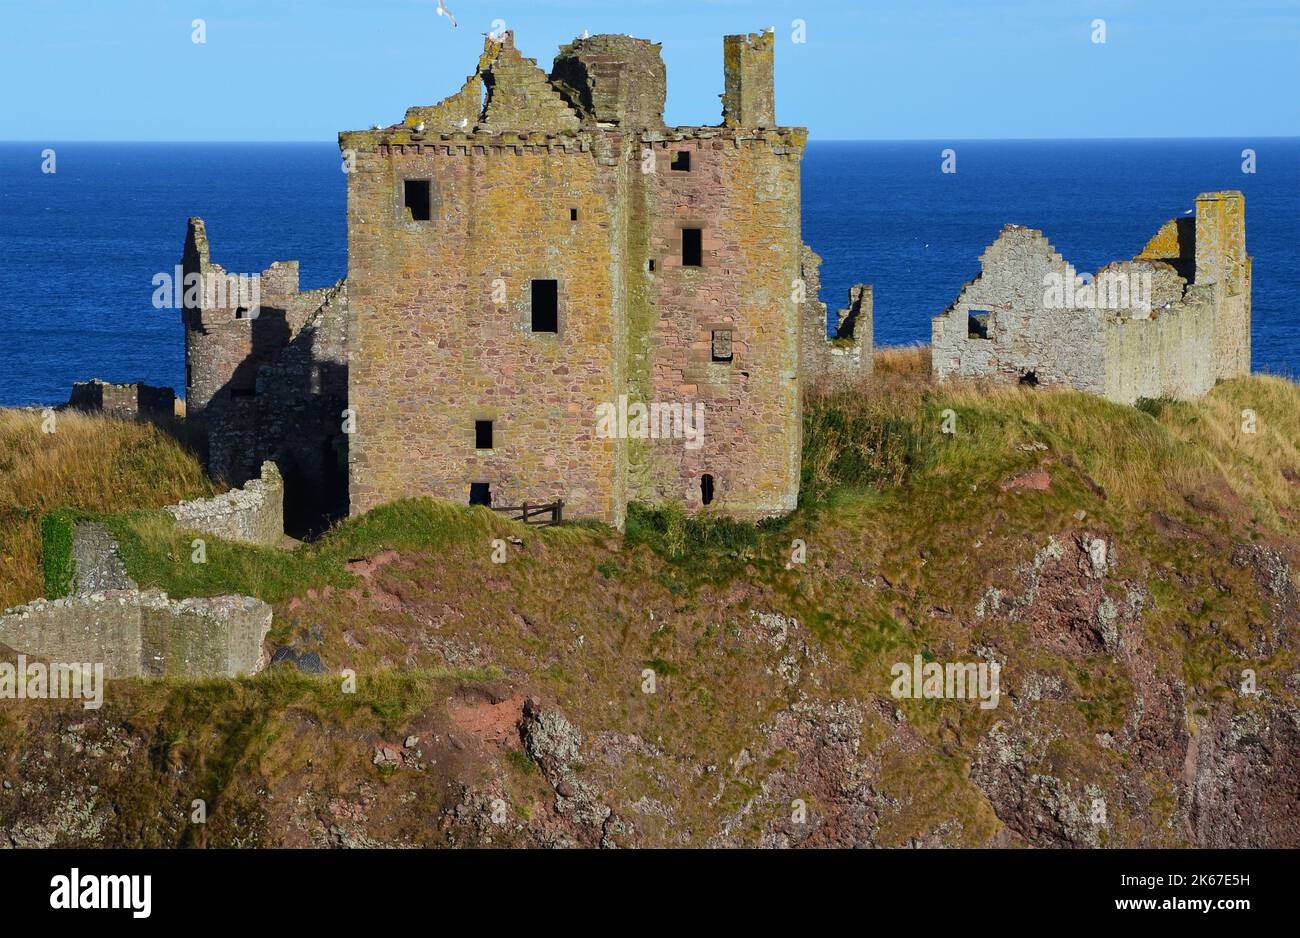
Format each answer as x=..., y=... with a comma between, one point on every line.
x=538, y=248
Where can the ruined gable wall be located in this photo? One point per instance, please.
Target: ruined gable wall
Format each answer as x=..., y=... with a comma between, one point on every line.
x=432, y=351
x=743, y=191
x=1063, y=347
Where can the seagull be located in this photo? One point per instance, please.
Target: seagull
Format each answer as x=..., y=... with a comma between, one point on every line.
x=419, y=128
x=769, y=29
x=586, y=34
x=1188, y=212
x=463, y=123
x=443, y=11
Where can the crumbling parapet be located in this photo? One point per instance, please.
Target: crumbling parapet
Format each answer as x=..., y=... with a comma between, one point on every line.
x=749, y=95
x=143, y=634
x=252, y=515
x=849, y=351
x=614, y=80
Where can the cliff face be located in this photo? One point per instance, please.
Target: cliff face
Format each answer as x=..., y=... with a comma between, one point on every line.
x=1132, y=572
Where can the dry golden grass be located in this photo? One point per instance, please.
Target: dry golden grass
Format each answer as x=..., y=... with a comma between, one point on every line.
x=89, y=463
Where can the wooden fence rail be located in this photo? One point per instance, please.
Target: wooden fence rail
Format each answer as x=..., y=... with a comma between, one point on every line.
x=552, y=513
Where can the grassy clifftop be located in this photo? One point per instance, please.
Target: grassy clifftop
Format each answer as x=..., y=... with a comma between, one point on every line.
x=696, y=681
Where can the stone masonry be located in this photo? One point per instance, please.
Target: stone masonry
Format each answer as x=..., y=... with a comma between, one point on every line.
x=665, y=265
x=124, y=401
x=1169, y=323
x=268, y=382
x=253, y=514
x=143, y=634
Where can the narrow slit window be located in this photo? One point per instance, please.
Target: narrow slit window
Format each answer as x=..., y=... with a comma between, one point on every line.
x=416, y=198
x=682, y=161
x=482, y=434
x=721, y=345
x=692, y=247
x=573, y=214
x=546, y=305
x=651, y=265
x=706, y=488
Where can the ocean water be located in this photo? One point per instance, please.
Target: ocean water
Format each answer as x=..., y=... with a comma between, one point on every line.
x=79, y=248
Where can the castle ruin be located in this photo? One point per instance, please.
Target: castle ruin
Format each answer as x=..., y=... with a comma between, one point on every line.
x=521, y=255
x=1168, y=323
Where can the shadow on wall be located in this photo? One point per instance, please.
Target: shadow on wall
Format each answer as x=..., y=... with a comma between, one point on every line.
x=284, y=405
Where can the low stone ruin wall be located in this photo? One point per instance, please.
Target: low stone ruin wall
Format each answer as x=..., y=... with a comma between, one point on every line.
x=253, y=514
x=143, y=634
x=124, y=401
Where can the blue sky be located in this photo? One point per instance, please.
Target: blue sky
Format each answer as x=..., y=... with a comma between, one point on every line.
x=924, y=69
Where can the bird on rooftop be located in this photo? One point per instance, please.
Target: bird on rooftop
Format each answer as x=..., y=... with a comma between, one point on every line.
x=419, y=128
x=463, y=123
x=443, y=11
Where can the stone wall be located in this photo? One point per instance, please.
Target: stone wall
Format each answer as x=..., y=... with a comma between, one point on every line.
x=124, y=401
x=521, y=194
x=252, y=515
x=270, y=383
x=1176, y=341
x=143, y=634
x=849, y=352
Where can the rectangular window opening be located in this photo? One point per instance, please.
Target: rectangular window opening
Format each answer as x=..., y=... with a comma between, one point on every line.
x=482, y=434
x=692, y=247
x=573, y=214
x=416, y=198
x=682, y=161
x=546, y=305
x=977, y=324
x=652, y=265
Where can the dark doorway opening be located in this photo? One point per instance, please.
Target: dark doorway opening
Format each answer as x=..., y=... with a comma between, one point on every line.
x=692, y=247
x=480, y=493
x=415, y=196
x=546, y=305
x=706, y=488
x=1029, y=379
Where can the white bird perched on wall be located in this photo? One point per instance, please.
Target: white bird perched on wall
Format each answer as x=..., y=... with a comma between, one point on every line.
x=463, y=123
x=586, y=34
x=419, y=128
x=443, y=11
x=769, y=29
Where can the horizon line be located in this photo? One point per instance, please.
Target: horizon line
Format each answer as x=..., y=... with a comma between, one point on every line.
x=1235, y=137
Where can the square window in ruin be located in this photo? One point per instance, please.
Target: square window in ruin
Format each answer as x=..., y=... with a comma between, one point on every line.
x=722, y=345
x=682, y=161
x=480, y=493
x=692, y=247
x=977, y=324
x=241, y=312
x=483, y=434
x=417, y=199
x=546, y=305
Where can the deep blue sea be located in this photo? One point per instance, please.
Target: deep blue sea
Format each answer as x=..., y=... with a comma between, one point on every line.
x=80, y=247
